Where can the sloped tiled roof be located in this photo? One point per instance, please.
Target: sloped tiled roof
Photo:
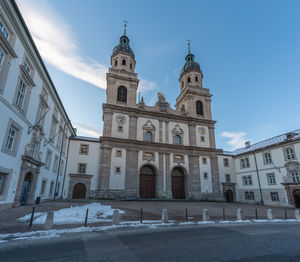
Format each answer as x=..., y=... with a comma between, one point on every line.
x=295, y=135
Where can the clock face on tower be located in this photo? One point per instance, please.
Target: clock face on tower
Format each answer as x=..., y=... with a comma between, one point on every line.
x=120, y=119
x=201, y=130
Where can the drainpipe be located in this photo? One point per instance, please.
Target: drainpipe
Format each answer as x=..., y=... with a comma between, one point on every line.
x=62, y=189
x=261, y=196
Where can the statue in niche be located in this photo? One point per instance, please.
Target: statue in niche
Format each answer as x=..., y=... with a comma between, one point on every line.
x=182, y=109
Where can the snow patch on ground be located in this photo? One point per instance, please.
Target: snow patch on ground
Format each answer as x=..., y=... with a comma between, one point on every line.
x=76, y=214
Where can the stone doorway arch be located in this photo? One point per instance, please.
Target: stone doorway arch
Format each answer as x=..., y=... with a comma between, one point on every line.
x=147, y=182
x=229, y=196
x=26, y=187
x=296, y=195
x=79, y=191
x=178, y=183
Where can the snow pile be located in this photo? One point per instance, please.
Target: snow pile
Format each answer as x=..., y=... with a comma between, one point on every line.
x=76, y=214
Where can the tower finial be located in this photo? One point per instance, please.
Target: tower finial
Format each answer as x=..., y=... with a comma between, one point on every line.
x=189, y=46
x=125, y=25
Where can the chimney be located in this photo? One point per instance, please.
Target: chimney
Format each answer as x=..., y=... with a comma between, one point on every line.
x=247, y=144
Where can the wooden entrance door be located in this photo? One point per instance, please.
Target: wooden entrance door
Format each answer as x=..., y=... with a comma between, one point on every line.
x=229, y=196
x=296, y=195
x=79, y=191
x=147, y=182
x=178, y=190
x=25, y=188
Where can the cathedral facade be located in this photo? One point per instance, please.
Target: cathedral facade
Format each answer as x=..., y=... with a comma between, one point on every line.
x=155, y=151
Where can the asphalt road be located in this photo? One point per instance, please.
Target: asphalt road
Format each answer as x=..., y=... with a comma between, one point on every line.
x=247, y=242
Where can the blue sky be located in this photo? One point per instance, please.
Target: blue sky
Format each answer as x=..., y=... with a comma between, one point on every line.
x=249, y=52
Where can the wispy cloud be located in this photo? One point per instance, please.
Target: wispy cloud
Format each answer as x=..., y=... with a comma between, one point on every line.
x=86, y=130
x=57, y=43
x=236, y=139
x=152, y=100
x=145, y=85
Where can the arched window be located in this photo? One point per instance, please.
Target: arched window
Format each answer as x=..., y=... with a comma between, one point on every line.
x=289, y=153
x=182, y=84
x=123, y=62
x=148, y=136
x=251, y=196
x=247, y=195
x=177, y=139
x=122, y=94
x=130, y=66
x=116, y=62
x=267, y=158
x=196, y=78
x=188, y=79
x=199, y=108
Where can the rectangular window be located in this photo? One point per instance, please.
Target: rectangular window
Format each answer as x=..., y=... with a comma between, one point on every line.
x=11, y=138
x=84, y=149
x=228, y=178
x=204, y=160
x=1, y=57
x=274, y=196
x=2, y=182
x=295, y=177
x=21, y=94
x=60, y=137
x=247, y=180
x=202, y=139
x=118, y=170
x=58, y=188
x=43, y=187
x=51, y=188
x=81, y=168
x=271, y=179
x=119, y=153
x=205, y=175
x=244, y=162
x=120, y=129
x=55, y=165
x=226, y=162
x=3, y=30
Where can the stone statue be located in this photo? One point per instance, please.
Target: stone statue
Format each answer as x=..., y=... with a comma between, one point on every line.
x=40, y=156
x=27, y=149
x=182, y=109
x=161, y=96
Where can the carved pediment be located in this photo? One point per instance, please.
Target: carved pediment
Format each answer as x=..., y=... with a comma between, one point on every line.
x=177, y=130
x=149, y=126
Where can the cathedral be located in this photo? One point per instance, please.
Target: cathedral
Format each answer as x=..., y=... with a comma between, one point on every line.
x=156, y=151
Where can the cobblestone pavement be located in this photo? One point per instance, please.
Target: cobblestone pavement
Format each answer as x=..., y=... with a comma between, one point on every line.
x=151, y=211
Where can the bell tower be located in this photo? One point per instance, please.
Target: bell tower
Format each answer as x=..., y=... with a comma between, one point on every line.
x=122, y=81
x=195, y=99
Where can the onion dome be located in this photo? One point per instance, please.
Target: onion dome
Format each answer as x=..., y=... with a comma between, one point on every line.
x=123, y=46
x=190, y=64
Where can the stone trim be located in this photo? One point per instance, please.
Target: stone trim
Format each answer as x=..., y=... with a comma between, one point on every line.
x=7, y=182
x=148, y=158
x=79, y=178
x=156, y=114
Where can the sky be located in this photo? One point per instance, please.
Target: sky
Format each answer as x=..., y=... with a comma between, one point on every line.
x=249, y=52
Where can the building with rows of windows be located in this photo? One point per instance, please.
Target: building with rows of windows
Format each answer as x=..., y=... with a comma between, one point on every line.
x=33, y=133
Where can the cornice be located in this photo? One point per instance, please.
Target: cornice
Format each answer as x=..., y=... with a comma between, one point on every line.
x=136, y=112
x=157, y=147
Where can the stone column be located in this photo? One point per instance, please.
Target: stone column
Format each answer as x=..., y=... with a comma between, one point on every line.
x=132, y=127
x=160, y=131
x=192, y=135
x=105, y=168
x=215, y=174
x=107, y=123
x=167, y=131
x=168, y=192
x=132, y=173
x=193, y=177
x=211, y=133
x=159, y=176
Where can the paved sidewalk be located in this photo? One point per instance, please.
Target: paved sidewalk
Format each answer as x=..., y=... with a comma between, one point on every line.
x=151, y=211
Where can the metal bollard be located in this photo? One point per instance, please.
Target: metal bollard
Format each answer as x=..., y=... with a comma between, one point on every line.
x=256, y=215
x=86, y=217
x=32, y=216
x=223, y=214
x=141, y=217
x=186, y=215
